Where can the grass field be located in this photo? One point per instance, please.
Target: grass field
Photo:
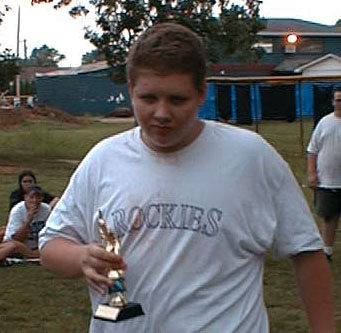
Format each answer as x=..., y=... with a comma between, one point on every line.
x=33, y=300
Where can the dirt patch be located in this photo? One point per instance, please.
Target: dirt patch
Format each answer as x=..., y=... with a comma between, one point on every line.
x=10, y=117
x=71, y=162
x=9, y=170
x=115, y=120
x=120, y=112
x=44, y=112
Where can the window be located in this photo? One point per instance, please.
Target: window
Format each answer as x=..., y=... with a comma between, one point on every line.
x=290, y=48
x=310, y=45
x=266, y=45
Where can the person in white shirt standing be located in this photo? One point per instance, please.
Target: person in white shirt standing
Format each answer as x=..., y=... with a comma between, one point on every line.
x=194, y=204
x=324, y=171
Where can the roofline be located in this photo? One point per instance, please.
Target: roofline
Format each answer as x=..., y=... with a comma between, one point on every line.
x=285, y=33
x=83, y=69
x=274, y=79
x=316, y=61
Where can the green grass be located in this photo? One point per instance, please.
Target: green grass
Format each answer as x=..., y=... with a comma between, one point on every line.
x=33, y=300
x=49, y=141
x=41, y=146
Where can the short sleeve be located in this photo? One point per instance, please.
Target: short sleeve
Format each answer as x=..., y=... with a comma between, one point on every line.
x=296, y=230
x=313, y=146
x=72, y=217
x=15, y=222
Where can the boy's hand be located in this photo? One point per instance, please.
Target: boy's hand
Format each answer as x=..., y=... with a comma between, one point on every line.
x=312, y=181
x=32, y=210
x=95, y=264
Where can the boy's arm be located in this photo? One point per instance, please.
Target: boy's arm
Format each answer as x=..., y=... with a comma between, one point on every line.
x=17, y=226
x=63, y=257
x=313, y=279
x=53, y=202
x=312, y=174
x=71, y=260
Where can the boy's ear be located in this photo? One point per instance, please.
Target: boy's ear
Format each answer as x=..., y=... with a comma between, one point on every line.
x=130, y=88
x=203, y=93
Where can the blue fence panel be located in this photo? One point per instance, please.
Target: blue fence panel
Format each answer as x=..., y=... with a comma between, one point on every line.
x=307, y=99
x=233, y=103
x=208, y=110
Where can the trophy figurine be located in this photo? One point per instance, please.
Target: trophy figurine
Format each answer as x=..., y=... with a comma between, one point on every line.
x=116, y=308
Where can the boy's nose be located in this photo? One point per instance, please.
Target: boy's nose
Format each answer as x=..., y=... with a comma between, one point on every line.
x=35, y=200
x=162, y=111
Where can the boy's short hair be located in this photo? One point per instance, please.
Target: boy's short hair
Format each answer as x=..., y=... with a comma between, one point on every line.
x=168, y=48
x=36, y=189
x=335, y=90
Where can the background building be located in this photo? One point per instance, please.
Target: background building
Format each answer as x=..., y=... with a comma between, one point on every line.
x=290, y=47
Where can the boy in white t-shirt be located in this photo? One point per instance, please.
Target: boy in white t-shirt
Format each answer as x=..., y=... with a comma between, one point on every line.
x=26, y=219
x=324, y=171
x=194, y=204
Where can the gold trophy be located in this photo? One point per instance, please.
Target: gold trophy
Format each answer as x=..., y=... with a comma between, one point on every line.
x=116, y=308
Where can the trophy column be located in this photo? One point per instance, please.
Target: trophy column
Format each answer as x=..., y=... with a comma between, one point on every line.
x=116, y=308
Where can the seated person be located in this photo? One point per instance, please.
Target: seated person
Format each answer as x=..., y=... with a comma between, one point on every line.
x=26, y=219
x=26, y=179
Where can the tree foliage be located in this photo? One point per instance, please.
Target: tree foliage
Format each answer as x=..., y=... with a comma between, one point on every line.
x=92, y=56
x=8, y=69
x=3, y=10
x=233, y=31
x=227, y=29
x=45, y=56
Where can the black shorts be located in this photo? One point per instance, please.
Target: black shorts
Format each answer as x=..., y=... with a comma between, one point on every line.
x=327, y=202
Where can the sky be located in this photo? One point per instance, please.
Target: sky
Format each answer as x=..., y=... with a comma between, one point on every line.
x=42, y=24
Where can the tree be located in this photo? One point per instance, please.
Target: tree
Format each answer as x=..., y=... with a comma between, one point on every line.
x=92, y=56
x=8, y=69
x=3, y=9
x=232, y=32
x=45, y=56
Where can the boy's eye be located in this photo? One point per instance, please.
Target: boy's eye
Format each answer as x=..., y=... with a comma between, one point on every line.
x=177, y=100
x=148, y=98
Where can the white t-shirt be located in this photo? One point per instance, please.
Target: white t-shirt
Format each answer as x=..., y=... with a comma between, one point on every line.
x=17, y=218
x=325, y=142
x=194, y=226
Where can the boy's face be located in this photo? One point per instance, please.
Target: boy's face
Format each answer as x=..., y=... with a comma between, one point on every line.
x=337, y=101
x=33, y=200
x=166, y=108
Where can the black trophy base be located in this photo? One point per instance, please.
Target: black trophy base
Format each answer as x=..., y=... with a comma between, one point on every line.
x=115, y=314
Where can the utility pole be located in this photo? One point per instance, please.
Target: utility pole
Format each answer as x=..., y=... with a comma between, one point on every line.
x=17, y=77
x=18, y=32
x=25, y=50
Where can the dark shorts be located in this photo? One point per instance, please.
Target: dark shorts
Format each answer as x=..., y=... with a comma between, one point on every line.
x=327, y=202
